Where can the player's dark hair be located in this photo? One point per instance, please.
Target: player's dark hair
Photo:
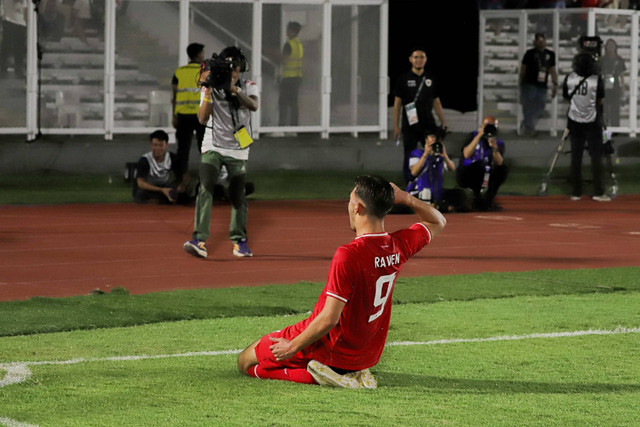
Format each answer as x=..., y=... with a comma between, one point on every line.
x=376, y=193
x=159, y=134
x=194, y=50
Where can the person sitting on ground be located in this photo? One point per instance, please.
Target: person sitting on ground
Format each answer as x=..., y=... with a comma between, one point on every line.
x=159, y=177
x=482, y=167
x=427, y=172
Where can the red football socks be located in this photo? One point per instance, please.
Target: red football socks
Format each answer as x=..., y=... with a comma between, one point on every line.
x=296, y=375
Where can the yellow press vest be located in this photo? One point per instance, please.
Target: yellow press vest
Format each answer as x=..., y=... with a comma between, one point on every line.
x=293, y=64
x=188, y=94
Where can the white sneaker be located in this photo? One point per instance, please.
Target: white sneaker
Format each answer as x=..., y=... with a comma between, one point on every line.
x=324, y=375
x=366, y=379
x=574, y=198
x=601, y=198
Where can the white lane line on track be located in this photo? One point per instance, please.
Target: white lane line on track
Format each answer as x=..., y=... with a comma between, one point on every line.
x=499, y=217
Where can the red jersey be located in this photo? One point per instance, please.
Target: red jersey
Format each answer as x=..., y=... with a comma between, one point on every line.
x=362, y=274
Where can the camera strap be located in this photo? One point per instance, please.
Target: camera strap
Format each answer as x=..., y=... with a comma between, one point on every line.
x=575, y=89
x=434, y=170
x=419, y=89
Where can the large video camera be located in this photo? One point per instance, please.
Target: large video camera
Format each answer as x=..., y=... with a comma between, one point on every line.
x=220, y=70
x=586, y=62
x=221, y=67
x=590, y=44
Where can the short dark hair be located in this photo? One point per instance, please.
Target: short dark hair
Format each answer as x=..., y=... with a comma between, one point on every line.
x=160, y=135
x=194, y=50
x=415, y=48
x=540, y=36
x=294, y=26
x=237, y=57
x=376, y=193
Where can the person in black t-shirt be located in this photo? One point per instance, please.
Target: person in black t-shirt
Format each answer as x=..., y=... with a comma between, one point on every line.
x=416, y=95
x=538, y=64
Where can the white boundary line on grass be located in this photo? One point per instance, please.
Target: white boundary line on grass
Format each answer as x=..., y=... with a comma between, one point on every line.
x=17, y=372
x=13, y=423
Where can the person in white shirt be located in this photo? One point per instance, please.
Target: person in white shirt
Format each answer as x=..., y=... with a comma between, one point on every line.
x=227, y=102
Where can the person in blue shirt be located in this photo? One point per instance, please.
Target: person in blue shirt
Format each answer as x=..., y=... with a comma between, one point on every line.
x=427, y=167
x=482, y=167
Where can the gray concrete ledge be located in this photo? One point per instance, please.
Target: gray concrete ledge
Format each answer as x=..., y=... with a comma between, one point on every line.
x=93, y=155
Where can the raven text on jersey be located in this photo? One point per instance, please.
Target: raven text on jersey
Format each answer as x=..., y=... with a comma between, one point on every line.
x=386, y=261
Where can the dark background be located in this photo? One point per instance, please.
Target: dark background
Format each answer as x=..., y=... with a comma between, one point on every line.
x=448, y=31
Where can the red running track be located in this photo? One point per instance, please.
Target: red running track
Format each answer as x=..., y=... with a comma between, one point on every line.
x=69, y=250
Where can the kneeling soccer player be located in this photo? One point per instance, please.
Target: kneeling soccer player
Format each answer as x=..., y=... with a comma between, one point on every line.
x=346, y=333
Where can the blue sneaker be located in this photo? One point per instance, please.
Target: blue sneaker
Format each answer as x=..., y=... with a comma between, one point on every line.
x=196, y=247
x=241, y=248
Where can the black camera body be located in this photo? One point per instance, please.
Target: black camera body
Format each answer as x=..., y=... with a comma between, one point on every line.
x=220, y=70
x=489, y=131
x=436, y=148
x=591, y=45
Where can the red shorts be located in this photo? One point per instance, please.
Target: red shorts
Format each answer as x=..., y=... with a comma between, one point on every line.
x=268, y=361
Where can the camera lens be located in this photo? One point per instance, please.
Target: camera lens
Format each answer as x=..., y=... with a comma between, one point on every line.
x=490, y=130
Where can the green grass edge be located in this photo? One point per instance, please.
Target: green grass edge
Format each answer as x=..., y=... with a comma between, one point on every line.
x=120, y=309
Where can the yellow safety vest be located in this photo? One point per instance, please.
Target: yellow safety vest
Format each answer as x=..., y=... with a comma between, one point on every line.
x=293, y=64
x=188, y=94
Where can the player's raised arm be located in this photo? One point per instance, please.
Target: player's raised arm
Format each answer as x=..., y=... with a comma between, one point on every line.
x=427, y=214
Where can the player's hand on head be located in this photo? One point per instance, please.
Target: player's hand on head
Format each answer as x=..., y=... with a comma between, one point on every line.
x=400, y=196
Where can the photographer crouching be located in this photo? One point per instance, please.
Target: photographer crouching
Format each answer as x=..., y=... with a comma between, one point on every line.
x=427, y=169
x=482, y=167
x=226, y=103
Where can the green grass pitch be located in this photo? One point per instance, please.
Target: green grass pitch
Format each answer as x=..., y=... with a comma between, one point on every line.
x=562, y=351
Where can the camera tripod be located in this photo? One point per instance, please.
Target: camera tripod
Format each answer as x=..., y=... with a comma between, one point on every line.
x=611, y=182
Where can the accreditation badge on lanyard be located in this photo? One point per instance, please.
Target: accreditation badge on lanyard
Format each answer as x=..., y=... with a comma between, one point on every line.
x=242, y=137
x=410, y=108
x=241, y=134
x=542, y=75
x=412, y=113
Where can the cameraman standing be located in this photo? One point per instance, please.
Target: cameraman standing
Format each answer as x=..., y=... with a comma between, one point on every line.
x=225, y=108
x=584, y=88
x=482, y=167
